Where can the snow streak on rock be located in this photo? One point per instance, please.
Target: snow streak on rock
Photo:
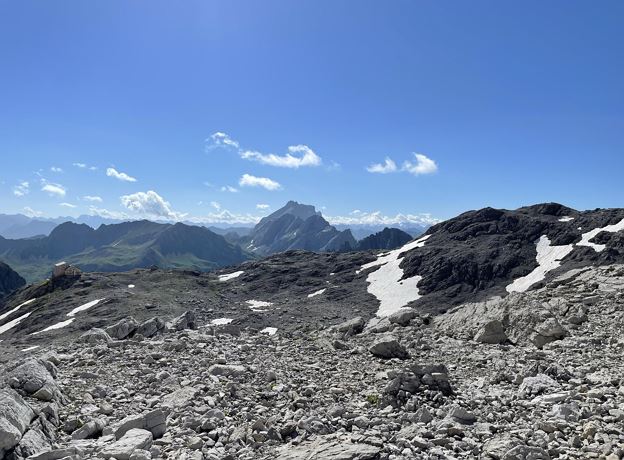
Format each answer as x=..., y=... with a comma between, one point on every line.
x=315, y=293
x=10, y=312
x=221, y=321
x=592, y=233
x=14, y=322
x=548, y=258
x=386, y=284
x=258, y=305
x=84, y=307
x=230, y=276
x=269, y=330
x=56, y=326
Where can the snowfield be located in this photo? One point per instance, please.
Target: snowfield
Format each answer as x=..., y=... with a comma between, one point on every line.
x=14, y=322
x=10, y=312
x=592, y=233
x=548, y=257
x=230, y=276
x=84, y=307
x=60, y=325
x=319, y=292
x=221, y=321
x=386, y=284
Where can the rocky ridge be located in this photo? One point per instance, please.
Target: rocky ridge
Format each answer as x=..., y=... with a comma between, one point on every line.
x=407, y=386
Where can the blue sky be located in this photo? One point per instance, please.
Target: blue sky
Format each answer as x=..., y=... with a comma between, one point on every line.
x=506, y=104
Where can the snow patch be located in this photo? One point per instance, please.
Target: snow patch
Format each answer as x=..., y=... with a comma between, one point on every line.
x=269, y=330
x=10, y=312
x=130, y=286
x=60, y=325
x=386, y=284
x=566, y=219
x=14, y=322
x=548, y=258
x=230, y=276
x=34, y=347
x=319, y=292
x=84, y=307
x=258, y=306
x=592, y=233
x=221, y=321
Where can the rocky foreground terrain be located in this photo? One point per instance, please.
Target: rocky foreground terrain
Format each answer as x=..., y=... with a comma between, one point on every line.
x=533, y=375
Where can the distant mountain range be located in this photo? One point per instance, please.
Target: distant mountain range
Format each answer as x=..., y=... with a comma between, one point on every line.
x=140, y=244
x=119, y=247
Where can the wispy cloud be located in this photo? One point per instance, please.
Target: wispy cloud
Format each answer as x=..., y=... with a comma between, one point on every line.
x=150, y=204
x=220, y=139
x=106, y=214
x=30, y=212
x=21, y=189
x=56, y=169
x=225, y=217
x=229, y=188
x=297, y=156
x=215, y=205
x=262, y=206
x=67, y=205
x=53, y=189
x=423, y=165
x=84, y=166
x=386, y=167
x=247, y=180
x=92, y=198
x=112, y=172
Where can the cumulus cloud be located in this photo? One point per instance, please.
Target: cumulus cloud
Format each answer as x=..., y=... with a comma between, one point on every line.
x=377, y=218
x=92, y=198
x=53, y=189
x=67, y=205
x=21, y=189
x=247, y=180
x=30, y=212
x=297, y=156
x=229, y=188
x=112, y=172
x=422, y=165
x=150, y=204
x=388, y=166
x=262, y=206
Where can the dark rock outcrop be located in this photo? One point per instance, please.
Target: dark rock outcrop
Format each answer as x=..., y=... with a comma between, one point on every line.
x=10, y=280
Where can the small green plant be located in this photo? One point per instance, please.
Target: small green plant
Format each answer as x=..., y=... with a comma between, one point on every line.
x=373, y=399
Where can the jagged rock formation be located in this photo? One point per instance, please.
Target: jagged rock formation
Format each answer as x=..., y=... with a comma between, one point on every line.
x=388, y=238
x=10, y=280
x=296, y=226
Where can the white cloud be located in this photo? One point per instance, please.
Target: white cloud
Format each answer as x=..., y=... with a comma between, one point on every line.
x=247, y=180
x=215, y=205
x=56, y=169
x=377, y=218
x=53, y=189
x=106, y=214
x=67, y=205
x=30, y=212
x=220, y=139
x=229, y=188
x=297, y=156
x=388, y=166
x=262, y=206
x=21, y=189
x=112, y=172
x=150, y=204
x=84, y=166
x=92, y=198
x=423, y=165
x=225, y=217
